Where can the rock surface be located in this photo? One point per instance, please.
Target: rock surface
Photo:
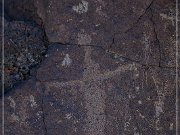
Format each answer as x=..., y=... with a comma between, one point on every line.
x=138, y=30
x=92, y=95
x=109, y=69
x=24, y=48
x=24, y=41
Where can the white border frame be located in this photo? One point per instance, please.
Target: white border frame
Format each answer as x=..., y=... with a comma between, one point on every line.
x=177, y=74
x=2, y=67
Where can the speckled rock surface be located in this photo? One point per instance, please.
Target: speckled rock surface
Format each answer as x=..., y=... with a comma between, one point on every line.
x=139, y=30
x=109, y=69
x=75, y=17
x=78, y=92
x=164, y=23
x=23, y=111
x=24, y=47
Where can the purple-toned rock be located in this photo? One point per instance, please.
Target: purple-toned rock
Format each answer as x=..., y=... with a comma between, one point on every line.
x=164, y=16
x=109, y=70
x=139, y=43
x=66, y=20
x=23, y=112
x=85, y=90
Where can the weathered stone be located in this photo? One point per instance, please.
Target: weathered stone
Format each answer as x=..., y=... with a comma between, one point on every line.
x=116, y=94
x=165, y=21
x=24, y=48
x=65, y=20
x=24, y=111
x=21, y=10
x=139, y=43
x=58, y=70
x=127, y=13
x=128, y=28
x=101, y=95
x=110, y=72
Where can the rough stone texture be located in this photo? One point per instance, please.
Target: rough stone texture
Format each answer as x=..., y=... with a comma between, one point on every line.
x=138, y=30
x=92, y=95
x=164, y=22
x=25, y=41
x=24, y=48
x=127, y=13
x=101, y=19
x=138, y=43
x=70, y=21
x=21, y=10
x=24, y=110
x=109, y=69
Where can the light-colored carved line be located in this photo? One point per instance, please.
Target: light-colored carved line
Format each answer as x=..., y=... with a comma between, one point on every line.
x=104, y=76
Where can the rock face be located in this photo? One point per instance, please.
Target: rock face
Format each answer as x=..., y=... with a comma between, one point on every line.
x=24, y=48
x=21, y=10
x=138, y=30
x=164, y=23
x=92, y=95
x=24, y=41
x=109, y=69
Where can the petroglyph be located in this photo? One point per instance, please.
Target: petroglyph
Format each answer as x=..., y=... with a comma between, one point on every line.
x=81, y=8
x=100, y=12
x=171, y=126
x=19, y=116
x=94, y=77
x=83, y=38
x=15, y=117
x=68, y=116
x=171, y=18
x=127, y=119
x=33, y=102
x=92, y=85
x=13, y=105
x=97, y=77
x=39, y=114
x=147, y=49
x=94, y=96
x=67, y=61
x=12, y=102
x=159, y=104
